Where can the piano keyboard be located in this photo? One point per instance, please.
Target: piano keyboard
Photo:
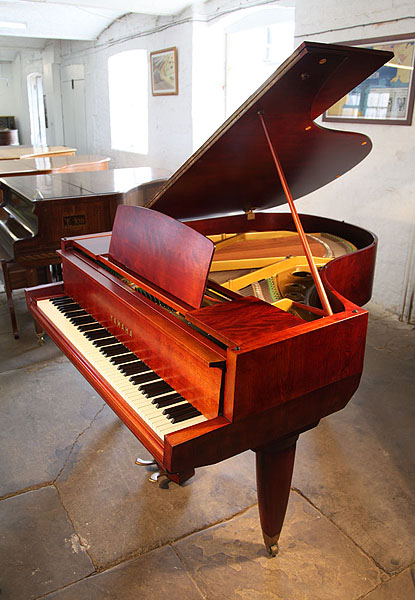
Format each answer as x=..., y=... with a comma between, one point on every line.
x=156, y=403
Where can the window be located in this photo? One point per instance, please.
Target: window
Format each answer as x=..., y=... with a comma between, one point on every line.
x=128, y=95
x=253, y=53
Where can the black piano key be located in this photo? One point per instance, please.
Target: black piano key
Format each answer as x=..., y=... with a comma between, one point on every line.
x=125, y=358
x=89, y=326
x=143, y=378
x=96, y=334
x=105, y=342
x=68, y=307
x=157, y=387
x=113, y=349
x=62, y=300
x=185, y=407
x=82, y=320
x=134, y=368
x=169, y=400
x=185, y=417
x=178, y=409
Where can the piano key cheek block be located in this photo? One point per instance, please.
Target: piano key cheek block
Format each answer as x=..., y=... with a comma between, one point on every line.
x=211, y=327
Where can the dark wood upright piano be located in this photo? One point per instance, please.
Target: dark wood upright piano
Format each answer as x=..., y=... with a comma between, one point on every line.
x=239, y=329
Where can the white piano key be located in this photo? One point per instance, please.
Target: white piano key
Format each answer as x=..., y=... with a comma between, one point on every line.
x=120, y=383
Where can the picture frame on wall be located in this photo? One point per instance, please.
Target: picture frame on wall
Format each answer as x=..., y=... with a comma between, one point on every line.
x=387, y=96
x=164, y=78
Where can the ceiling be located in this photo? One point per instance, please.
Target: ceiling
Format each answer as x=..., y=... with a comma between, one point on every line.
x=35, y=21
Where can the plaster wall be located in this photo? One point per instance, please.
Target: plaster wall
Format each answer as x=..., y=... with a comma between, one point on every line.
x=6, y=88
x=170, y=129
x=13, y=89
x=52, y=93
x=25, y=63
x=378, y=194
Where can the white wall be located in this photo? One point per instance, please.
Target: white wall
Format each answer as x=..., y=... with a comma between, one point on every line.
x=6, y=88
x=26, y=62
x=378, y=194
x=170, y=128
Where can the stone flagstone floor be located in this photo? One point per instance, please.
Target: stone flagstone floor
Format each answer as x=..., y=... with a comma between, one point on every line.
x=79, y=520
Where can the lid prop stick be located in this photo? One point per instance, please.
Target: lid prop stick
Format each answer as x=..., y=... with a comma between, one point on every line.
x=314, y=271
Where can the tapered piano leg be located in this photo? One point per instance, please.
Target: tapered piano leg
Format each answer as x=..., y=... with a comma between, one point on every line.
x=274, y=469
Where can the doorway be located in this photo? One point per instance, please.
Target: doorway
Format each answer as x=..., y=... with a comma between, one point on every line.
x=36, y=110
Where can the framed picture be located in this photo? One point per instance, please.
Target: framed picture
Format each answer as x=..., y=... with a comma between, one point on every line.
x=163, y=64
x=387, y=96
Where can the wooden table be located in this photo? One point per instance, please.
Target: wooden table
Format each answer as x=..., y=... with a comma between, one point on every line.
x=17, y=152
x=53, y=164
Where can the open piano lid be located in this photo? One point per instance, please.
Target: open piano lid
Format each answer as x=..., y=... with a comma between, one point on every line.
x=234, y=172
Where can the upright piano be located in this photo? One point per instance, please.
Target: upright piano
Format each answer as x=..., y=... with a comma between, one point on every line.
x=36, y=211
x=224, y=333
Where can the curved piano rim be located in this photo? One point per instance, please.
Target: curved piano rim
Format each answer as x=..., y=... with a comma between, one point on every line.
x=348, y=278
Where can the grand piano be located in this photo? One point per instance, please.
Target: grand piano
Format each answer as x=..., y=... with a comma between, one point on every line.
x=238, y=328
x=36, y=211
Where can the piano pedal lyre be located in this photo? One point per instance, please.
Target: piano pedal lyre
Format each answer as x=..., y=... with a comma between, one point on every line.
x=155, y=475
x=161, y=473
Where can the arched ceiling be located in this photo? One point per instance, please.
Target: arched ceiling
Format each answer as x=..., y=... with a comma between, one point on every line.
x=27, y=22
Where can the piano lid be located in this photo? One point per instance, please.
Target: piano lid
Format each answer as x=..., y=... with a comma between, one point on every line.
x=233, y=171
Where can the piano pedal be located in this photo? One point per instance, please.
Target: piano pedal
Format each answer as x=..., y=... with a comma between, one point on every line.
x=142, y=462
x=154, y=477
x=161, y=473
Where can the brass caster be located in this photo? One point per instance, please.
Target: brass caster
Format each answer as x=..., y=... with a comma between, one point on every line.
x=271, y=544
x=40, y=338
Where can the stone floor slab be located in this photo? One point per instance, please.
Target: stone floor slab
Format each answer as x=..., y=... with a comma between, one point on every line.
x=118, y=511
x=358, y=465
x=24, y=351
x=315, y=562
x=155, y=576
x=39, y=550
x=43, y=411
x=400, y=587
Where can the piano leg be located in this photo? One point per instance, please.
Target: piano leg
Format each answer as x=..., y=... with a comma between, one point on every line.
x=8, y=290
x=274, y=469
